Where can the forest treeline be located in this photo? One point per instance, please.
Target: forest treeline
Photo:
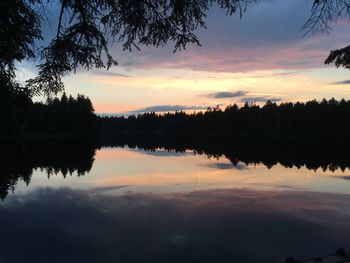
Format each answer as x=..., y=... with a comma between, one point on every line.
x=67, y=115
x=19, y=115
x=324, y=118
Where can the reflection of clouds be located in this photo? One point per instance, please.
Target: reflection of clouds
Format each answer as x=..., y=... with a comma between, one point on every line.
x=114, y=153
x=164, y=153
x=344, y=177
x=343, y=82
x=116, y=166
x=205, y=226
x=228, y=166
x=105, y=189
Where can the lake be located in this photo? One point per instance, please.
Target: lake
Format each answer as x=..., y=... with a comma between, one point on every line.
x=79, y=202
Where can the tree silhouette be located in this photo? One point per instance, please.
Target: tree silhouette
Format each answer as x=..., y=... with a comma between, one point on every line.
x=52, y=157
x=299, y=119
x=19, y=28
x=64, y=116
x=340, y=57
x=85, y=30
x=323, y=14
x=312, y=153
x=68, y=157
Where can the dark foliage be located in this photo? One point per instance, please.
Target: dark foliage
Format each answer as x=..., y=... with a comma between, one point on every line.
x=19, y=28
x=323, y=14
x=340, y=57
x=326, y=118
x=312, y=153
x=71, y=157
x=18, y=161
x=19, y=115
x=86, y=29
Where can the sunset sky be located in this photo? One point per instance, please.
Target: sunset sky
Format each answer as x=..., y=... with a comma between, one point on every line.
x=265, y=55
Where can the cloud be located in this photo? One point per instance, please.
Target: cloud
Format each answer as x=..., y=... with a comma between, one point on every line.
x=343, y=82
x=260, y=41
x=267, y=37
x=108, y=73
x=227, y=94
x=290, y=56
x=166, y=108
x=287, y=73
x=260, y=99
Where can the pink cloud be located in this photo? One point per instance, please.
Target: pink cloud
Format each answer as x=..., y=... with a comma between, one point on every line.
x=228, y=56
x=231, y=59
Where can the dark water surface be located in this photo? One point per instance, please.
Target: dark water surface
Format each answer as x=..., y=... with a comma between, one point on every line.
x=77, y=202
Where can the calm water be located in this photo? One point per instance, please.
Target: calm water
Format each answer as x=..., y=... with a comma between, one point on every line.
x=121, y=204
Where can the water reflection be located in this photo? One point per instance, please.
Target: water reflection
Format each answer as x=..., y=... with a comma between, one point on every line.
x=144, y=201
x=66, y=225
x=18, y=161
x=313, y=154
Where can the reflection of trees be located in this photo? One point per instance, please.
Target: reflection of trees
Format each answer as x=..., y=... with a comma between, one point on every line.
x=66, y=157
x=312, y=153
x=19, y=160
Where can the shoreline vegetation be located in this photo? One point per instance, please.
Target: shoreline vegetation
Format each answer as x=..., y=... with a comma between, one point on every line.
x=328, y=118
x=63, y=134
x=68, y=117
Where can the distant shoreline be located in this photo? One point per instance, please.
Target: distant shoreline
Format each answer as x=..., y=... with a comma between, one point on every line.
x=68, y=118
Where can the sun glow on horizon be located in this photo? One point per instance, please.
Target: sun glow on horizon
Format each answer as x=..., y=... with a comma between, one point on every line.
x=114, y=94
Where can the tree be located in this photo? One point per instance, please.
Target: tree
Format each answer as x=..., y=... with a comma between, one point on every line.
x=323, y=14
x=19, y=28
x=86, y=28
